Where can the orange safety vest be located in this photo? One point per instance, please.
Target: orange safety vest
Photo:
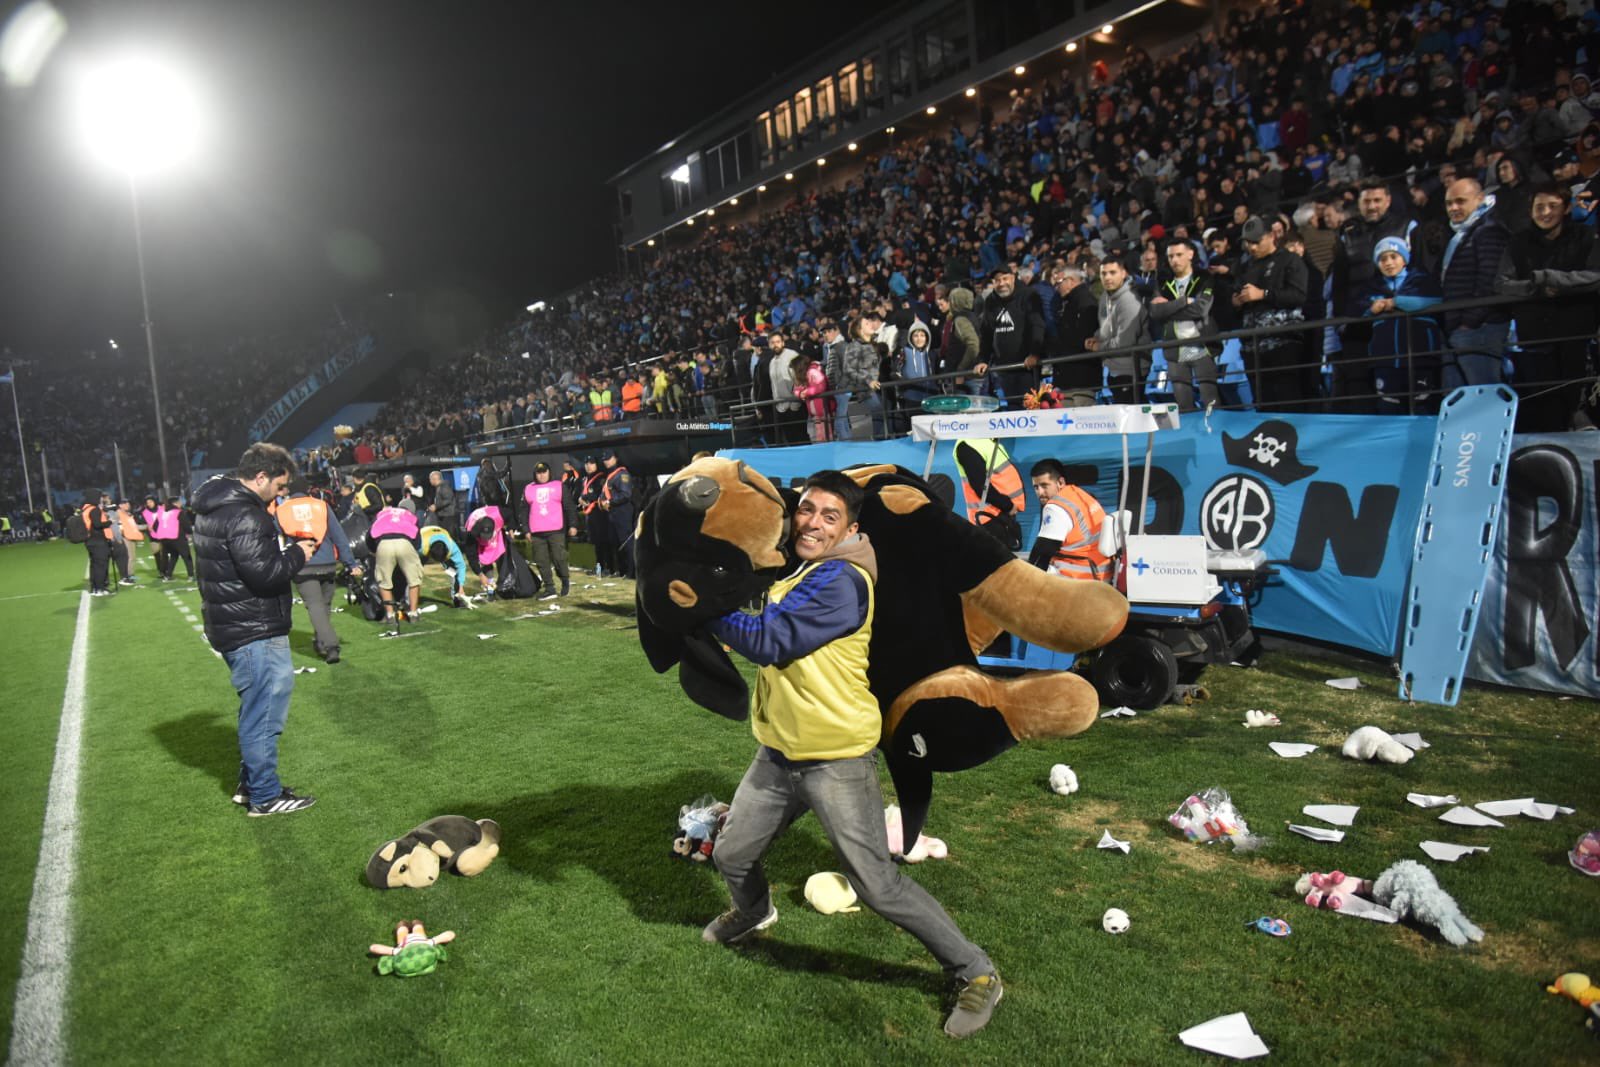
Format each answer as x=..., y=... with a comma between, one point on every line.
x=130, y=528
x=1079, y=555
x=95, y=507
x=593, y=487
x=1003, y=478
x=303, y=518
x=632, y=396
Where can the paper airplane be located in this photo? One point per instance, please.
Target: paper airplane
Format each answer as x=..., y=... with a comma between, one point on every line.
x=1464, y=816
x=485, y=637
x=1345, y=683
x=1412, y=741
x=1122, y=712
x=1338, y=814
x=1226, y=1035
x=1362, y=908
x=1318, y=833
x=1523, y=806
x=1430, y=800
x=1291, y=749
x=1107, y=841
x=1448, y=853
x=305, y=670
x=427, y=608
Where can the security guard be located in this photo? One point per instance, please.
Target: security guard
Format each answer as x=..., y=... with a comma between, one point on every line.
x=596, y=519
x=305, y=517
x=616, y=498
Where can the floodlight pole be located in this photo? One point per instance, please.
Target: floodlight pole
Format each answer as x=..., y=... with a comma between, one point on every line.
x=22, y=448
x=149, y=334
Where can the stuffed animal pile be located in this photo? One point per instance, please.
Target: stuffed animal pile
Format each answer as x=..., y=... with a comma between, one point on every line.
x=1406, y=888
x=715, y=538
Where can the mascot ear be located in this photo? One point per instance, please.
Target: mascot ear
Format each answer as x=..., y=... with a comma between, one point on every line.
x=710, y=679
x=662, y=648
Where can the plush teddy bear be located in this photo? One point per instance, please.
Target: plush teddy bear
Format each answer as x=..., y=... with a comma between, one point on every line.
x=1369, y=742
x=453, y=842
x=715, y=537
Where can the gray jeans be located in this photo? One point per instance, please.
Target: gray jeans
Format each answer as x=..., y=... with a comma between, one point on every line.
x=317, y=591
x=845, y=796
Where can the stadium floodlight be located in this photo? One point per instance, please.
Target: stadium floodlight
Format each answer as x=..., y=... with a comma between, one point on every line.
x=711, y=211
x=1107, y=28
x=651, y=243
x=822, y=161
x=113, y=343
x=1019, y=70
x=681, y=175
x=789, y=177
x=139, y=115
x=932, y=110
x=971, y=91
x=761, y=188
x=688, y=222
x=733, y=201
x=889, y=129
x=1072, y=46
x=852, y=146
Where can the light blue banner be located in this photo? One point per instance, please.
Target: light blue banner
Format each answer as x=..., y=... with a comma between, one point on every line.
x=1334, y=499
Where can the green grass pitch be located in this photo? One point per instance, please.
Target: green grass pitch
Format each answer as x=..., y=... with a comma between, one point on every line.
x=201, y=936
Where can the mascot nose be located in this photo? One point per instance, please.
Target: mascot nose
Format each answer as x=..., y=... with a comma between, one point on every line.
x=699, y=493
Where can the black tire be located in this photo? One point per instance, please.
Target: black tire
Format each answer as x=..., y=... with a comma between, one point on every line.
x=1136, y=672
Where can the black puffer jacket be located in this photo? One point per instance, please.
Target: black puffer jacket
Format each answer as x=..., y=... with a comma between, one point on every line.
x=244, y=576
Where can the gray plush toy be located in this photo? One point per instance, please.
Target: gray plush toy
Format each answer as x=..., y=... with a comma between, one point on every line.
x=1411, y=891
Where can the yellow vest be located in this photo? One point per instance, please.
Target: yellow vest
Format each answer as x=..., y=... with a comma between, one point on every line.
x=818, y=706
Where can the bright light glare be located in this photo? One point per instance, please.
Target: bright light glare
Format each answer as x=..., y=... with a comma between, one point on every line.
x=889, y=130
x=932, y=110
x=537, y=306
x=789, y=177
x=852, y=146
x=138, y=115
x=761, y=188
x=1019, y=70
x=733, y=201
x=651, y=243
x=971, y=91
x=27, y=41
x=113, y=342
x=822, y=162
x=1072, y=46
x=681, y=175
x=1107, y=28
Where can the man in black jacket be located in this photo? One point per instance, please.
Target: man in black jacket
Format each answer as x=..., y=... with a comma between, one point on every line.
x=1557, y=262
x=1272, y=292
x=246, y=595
x=444, y=510
x=1012, y=332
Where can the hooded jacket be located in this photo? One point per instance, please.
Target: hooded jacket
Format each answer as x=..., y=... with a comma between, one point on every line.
x=914, y=362
x=1122, y=323
x=959, y=348
x=243, y=573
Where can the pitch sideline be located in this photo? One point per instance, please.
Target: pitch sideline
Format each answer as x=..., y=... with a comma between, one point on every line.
x=37, y=1025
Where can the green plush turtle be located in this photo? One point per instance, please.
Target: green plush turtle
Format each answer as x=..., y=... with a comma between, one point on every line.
x=413, y=952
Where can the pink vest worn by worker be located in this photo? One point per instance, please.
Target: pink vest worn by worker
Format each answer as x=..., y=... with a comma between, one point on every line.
x=394, y=521
x=495, y=547
x=544, y=506
x=166, y=524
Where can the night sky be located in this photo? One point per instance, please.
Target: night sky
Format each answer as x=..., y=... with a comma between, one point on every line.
x=427, y=146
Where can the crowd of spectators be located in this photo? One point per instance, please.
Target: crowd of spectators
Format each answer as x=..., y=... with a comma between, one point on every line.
x=81, y=409
x=1293, y=138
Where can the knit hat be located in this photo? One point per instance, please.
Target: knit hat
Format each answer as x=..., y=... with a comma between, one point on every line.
x=1395, y=245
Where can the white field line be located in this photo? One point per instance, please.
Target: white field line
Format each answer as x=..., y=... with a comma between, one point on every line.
x=38, y=1018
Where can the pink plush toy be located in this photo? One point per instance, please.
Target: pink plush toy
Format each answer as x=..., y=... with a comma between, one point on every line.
x=1331, y=889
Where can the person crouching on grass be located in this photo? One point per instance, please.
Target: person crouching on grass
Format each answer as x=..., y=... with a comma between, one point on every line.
x=818, y=727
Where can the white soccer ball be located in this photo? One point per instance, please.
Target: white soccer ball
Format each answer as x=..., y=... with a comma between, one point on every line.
x=1062, y=780
x=1115, y=921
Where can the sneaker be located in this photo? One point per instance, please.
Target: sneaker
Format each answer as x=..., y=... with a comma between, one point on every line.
x=287, y=801
x=974, y=1004
x=566, y=586
x=732, y=927
x=549, y=596
x=331, y=656
x=129, y=580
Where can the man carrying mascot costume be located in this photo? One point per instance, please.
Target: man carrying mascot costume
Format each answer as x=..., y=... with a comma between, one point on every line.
x=819, y=726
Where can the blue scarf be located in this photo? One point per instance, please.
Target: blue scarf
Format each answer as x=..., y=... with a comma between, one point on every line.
x=1461, y=229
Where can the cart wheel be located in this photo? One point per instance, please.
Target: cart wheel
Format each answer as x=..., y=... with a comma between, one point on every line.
x=1135, y=671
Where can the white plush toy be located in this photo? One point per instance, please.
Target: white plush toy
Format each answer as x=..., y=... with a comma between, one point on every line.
x=926, y=847
x=1369, y=742
x=1062, y=780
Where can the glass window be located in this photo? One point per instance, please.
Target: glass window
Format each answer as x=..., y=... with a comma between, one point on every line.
x=802, y=112
x=869, y=78
x=827, y=116
x=902, y=82
x=782, y=130
x=849, y=90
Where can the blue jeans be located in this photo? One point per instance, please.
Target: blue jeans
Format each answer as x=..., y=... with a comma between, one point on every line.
x=841, y=417
x=845, y=796
x=1478, y=357
x=263, y=676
